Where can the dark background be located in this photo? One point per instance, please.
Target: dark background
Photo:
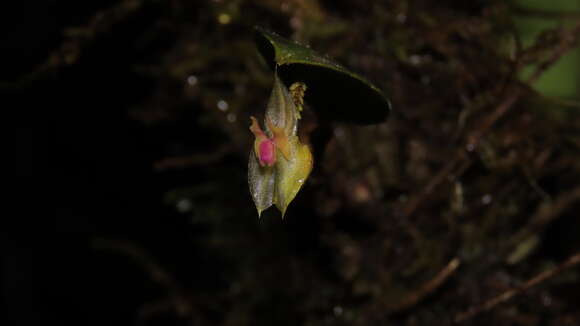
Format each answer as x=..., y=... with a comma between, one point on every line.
x=128, y=202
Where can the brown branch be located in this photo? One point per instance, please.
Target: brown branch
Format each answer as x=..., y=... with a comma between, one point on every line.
x=507, y=295
x=500, y=111
x=415, y=202
x=155, y=271
x=176, y=299
x=547, y=212
x=77, y=39
x=568, y=39
x=426, y=289
x=547, y=14
x=180, y=162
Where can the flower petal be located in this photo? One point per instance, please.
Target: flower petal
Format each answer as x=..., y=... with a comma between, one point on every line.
x=281, y=110
x=278, y=184
x=261, y=180
x=292, y=174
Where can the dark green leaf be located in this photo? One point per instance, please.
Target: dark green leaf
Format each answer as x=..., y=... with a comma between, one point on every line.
x=333, y=91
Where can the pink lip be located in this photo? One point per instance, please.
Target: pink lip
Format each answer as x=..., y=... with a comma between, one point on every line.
x=267, y=153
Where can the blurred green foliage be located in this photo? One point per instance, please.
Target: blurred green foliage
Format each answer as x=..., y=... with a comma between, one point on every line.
x=563, y=79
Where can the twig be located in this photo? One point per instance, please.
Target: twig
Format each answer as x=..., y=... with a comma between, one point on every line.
x=570, y=103
x=475, y=137
x=569, y=38
x=547, y=212
x=415, y=202
x=427, y=288
x=547, y=14
x=180, y=162
x=155, y=271
x=77, y=39
x=176, y=298
x=490, y=304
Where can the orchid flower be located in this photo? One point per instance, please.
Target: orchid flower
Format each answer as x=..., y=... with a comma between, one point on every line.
x=279, y=163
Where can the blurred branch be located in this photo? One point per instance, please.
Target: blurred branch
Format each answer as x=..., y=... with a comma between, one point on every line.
x=78, y=38
x=426, y=289
x=177, y=298
x=415, y=202
x=547, y=212
x=562, y=102
x=568, y=40
x=547, y=14
x=180, y=162
x=507, y=295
